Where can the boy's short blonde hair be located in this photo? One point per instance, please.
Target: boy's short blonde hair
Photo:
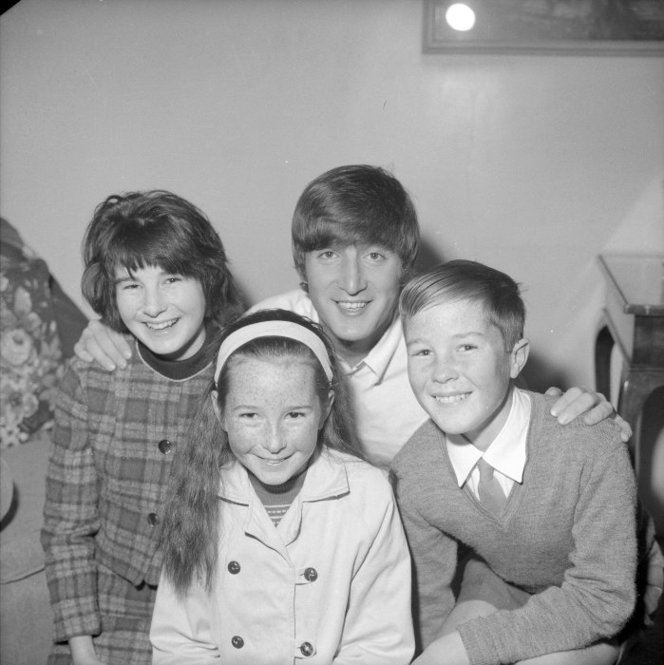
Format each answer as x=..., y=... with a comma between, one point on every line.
x=468, y=280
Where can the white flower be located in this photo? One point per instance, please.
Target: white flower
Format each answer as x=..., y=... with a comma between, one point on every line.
x=16, y=347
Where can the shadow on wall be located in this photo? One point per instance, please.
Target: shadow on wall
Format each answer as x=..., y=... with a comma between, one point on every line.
x=651, y=471
x=539, y=376
x=427, y=258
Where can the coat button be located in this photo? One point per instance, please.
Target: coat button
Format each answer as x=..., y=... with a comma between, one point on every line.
x=237, y=642
x=310, y=575
x=165, y=446
x=153, y=519
x=306, y=649
x=234, y=567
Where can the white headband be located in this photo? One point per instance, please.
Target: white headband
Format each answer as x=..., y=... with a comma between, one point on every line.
x=273, y=329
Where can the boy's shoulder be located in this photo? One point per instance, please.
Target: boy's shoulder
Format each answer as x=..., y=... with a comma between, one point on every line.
x=425, y=446
x=576, y=437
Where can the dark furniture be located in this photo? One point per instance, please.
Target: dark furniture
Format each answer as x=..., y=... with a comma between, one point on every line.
x=633, y=319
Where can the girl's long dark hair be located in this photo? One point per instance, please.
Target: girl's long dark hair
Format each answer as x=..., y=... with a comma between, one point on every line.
x=191, y=526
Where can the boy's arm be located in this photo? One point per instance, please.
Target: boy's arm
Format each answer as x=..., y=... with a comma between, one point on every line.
x=101, y=344
x=597, y=594
x=434, y=556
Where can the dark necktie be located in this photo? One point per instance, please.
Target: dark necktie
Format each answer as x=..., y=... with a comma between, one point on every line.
x=490, y=492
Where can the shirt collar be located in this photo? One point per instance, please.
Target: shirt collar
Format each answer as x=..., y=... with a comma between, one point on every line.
x=378, y=359
x=507, y=452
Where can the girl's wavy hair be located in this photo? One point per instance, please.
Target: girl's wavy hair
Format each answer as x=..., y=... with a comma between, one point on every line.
x=191, y=526
x=155, y=228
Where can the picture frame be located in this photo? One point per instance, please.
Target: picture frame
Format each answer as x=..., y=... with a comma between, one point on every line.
x=568, y=27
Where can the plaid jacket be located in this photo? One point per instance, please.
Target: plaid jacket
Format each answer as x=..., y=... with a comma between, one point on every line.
x=113, y=443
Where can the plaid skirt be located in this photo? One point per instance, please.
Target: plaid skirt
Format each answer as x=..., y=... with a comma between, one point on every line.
x=126, y=612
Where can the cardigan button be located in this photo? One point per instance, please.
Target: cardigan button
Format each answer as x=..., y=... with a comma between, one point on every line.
x=310, y=575
x=307, y=649
x=234, y=567
x=237, y=642
x=165, y=446
x=153, y=519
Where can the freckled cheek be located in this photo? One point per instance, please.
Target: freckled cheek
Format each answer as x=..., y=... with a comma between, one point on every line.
x=243, y=439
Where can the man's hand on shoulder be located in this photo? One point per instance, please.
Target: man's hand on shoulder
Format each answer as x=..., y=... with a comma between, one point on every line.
x=594, y=408
x=101, y=344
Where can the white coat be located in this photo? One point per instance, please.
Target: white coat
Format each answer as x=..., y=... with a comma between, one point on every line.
x=330, y=585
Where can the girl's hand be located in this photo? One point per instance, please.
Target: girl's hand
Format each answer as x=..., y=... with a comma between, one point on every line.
x=594, y=408
x=100, y=343
x=83, y=651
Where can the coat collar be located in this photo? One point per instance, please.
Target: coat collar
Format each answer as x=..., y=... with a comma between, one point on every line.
x=326, y=479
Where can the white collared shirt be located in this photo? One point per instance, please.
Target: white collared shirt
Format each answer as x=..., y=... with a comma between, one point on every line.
x=387, y=413
x=506, y=454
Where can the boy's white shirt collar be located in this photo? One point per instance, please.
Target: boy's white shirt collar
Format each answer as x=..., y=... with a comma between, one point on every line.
x=507, y=452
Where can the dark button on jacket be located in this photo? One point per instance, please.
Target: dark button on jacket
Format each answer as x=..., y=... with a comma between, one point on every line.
x=165, y=446
x=310, y=574
x=306, y=649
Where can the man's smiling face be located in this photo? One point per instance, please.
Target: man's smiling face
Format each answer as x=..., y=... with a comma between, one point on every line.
x=355, y=290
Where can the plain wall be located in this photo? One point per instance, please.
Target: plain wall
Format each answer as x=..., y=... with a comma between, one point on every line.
x=533, y=164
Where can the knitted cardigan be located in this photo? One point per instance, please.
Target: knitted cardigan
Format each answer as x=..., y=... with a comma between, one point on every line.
x=566, y=536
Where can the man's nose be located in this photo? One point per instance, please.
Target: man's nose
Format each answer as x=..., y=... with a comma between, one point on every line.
x=352, y=279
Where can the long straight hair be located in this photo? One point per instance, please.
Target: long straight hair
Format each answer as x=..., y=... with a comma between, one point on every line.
x=191, y=525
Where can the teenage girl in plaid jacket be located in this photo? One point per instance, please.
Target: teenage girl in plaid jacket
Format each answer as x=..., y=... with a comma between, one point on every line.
x=156, y=270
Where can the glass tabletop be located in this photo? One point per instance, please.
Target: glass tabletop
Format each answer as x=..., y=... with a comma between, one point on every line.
x=639, y=280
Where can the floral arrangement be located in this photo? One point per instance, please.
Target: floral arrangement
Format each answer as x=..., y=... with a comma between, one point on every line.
x=30, y=353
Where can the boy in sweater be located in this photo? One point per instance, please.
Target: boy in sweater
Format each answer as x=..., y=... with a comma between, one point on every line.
x=546, y=512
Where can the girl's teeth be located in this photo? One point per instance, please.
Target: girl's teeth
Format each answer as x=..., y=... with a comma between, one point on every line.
x=161, y=326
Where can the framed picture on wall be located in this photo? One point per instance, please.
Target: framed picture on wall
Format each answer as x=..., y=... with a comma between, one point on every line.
x=593, y=27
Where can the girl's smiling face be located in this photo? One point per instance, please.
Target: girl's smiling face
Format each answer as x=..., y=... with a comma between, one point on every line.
x=272, y=416
x=165, y=312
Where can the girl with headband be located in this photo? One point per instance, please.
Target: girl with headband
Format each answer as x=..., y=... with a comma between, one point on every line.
x=280, y=542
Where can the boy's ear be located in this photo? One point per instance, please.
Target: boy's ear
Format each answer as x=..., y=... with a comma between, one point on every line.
x=518, y=357
x=214, y=397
